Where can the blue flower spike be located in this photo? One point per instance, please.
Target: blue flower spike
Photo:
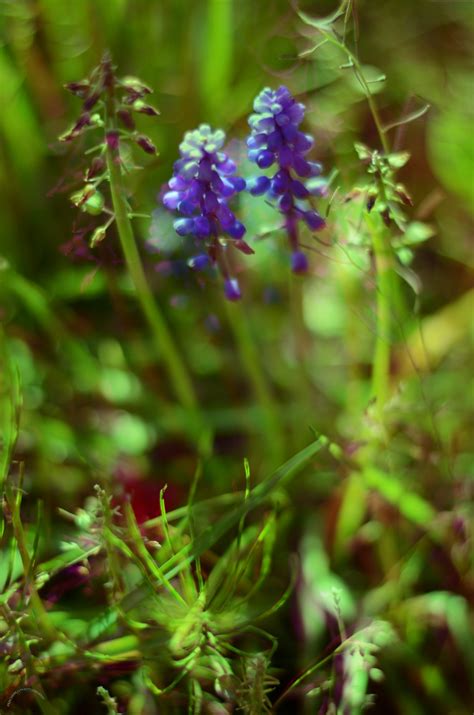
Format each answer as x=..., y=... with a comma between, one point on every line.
x=276, y=140
x=203, y=182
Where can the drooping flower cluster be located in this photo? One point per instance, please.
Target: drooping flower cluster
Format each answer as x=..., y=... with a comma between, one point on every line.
x=276, y=139
x=204, y=181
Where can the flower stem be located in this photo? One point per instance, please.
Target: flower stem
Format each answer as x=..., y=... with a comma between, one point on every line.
x=164, y=342
x=385, y=297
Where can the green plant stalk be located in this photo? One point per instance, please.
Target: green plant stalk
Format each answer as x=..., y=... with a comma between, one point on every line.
x=380, y=389
x=164, y=342
x=250, y=360
x=32, y=675
x=387, y=287
x=215, y=76
x=39, y=611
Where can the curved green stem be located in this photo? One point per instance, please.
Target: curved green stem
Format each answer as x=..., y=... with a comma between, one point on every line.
x=385, y=298
x=354, y=62
x=164, y=342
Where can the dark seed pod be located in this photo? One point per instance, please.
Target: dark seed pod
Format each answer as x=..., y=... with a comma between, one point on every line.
x=96, y=168
x=146, y=144
x=404, y=195
x=80, y=89
x=112, y=139
x=371, y=202
x=91, y=101
x=386, y=217
x=126, y=118
x=83, y=121
x=133, y=85
x=139, y=106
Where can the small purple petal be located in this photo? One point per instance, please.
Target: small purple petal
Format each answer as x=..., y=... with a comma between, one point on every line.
x=177, y=183
x=296, y=113
x=303, y=142
x=238, y=182
x=299, y=262
x=236, y=230
x=282, y=119
x=225, y=216
x=314, y=220
x=202, y=227
x=290, y=132
x=285, y=203
x=211, y=202
x=227, y=166
x=184, y=226
x=301, y=166
x=256, y=141
x=265, y=159
x=258, y=185
x=232, y=289
x=171, y=199
x=285, y=156
x=299, y=190
x=216, y=182
x=198, y=263
x=316, y=168
x=280, y=182
x=274, y=141
x=186, y=207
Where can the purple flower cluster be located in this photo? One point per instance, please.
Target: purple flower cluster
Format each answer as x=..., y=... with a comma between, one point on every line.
x=203, y=182
x=276, y=139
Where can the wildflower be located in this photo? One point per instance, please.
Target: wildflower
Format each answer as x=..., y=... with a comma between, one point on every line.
x=108, y=102
x=276, y=139
x=203, y=182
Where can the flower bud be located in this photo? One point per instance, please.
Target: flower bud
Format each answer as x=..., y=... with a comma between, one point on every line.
x=83, y=121
x=78, y=198
x=146, y=144
x=80, y=89
x=112, y=139
x=96, y=168
x=232, y=289
x=135, y=86
x=98, y=236
x=94, y=204
x=91, y=101
x=140, y=106
x=126, y=118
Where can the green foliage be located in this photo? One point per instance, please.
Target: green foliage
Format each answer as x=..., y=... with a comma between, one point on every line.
x=178, y=534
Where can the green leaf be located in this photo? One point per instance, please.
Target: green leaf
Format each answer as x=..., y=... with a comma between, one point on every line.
x=351, y=512
x=411, y=505
x=398, y=159
x=323, y=22
x=416, y=114
x=363, y=151
x=416, y=232
x=405, y=255
x=213, y=533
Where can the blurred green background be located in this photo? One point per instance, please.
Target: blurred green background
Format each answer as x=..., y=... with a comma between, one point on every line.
x=95, y=406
